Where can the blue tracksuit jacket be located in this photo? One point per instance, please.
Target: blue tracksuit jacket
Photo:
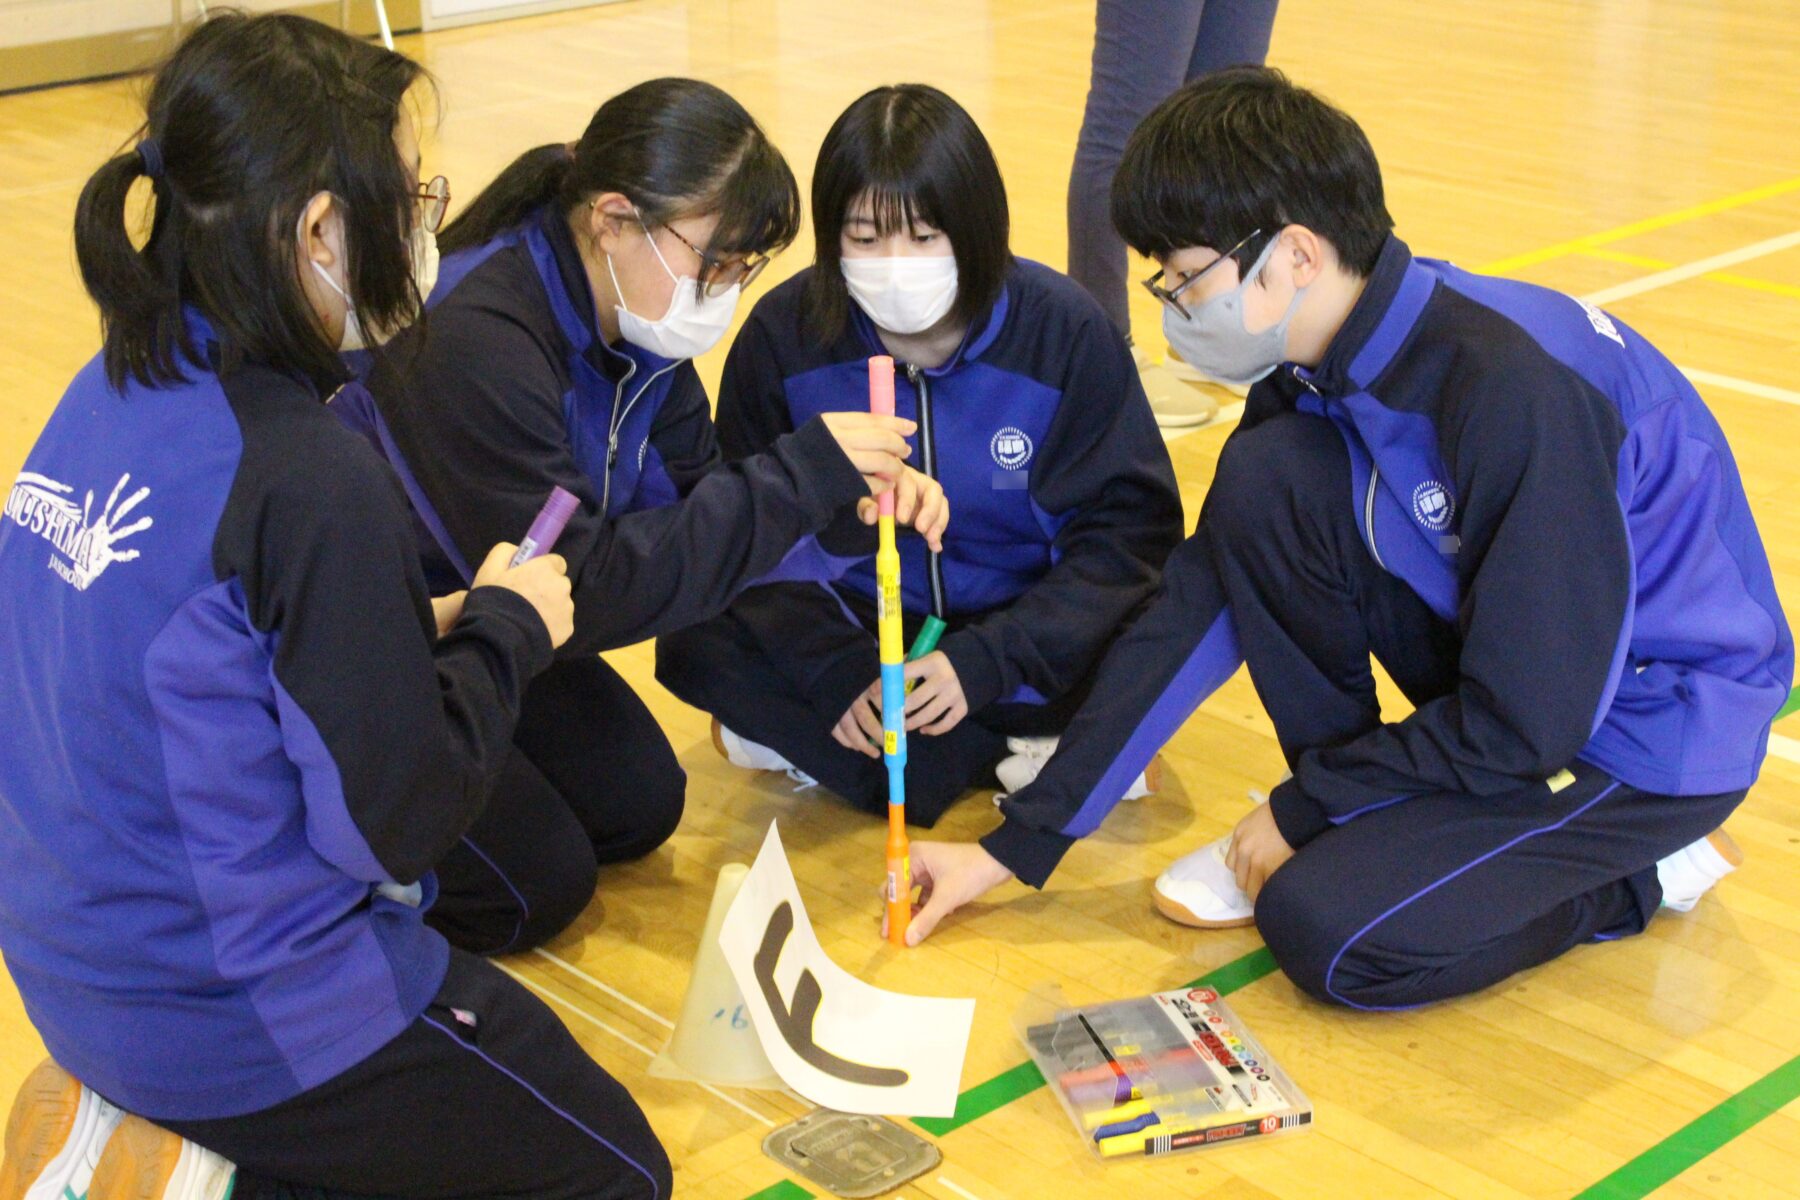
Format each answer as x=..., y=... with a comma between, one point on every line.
x=1542, y=477
x=231, y=732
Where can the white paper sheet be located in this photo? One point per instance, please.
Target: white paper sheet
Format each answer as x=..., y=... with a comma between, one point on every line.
x=836, y=1040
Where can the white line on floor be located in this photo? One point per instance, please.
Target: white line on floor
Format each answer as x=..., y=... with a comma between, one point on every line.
x=1782, y=746
x=591, y=1019
x=964, y=1192
x=1649, y=283
x=614, y=992
x=1763, y=390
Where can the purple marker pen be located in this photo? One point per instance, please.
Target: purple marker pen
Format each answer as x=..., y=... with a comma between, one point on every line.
x=548, y=526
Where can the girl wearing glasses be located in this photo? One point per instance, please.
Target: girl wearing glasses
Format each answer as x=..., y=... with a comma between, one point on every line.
x=574, y=291
x=236, y=740
x=1030, y=416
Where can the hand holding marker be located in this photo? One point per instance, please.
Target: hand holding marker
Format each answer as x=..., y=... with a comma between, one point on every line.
x=542, y=584
x=547, y=526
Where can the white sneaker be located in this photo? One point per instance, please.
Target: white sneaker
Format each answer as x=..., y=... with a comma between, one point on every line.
x=1198, y=889
x=1174, y=402
x=1691, y=871
x=54, y=1136
x=146, y=1162
x=1029, y=755
x=742, y=752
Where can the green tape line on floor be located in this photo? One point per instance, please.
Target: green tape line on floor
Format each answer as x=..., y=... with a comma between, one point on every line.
x=1699, y=1137
x=1792, y=705
x=787, y=1189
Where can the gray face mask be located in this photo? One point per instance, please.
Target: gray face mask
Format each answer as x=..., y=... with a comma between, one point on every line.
x=1212, y=336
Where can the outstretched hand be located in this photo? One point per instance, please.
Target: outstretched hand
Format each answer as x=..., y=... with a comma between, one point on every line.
x=948, y=876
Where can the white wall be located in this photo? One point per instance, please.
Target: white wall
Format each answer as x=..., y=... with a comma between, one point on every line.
x=30, y=22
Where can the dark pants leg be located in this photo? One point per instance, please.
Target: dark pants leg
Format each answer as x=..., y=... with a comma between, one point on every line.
x=1143, y=51
x=1441, y=894
x=1309, y=601
x=508, y=1105
x=592, y=780
x=719, y=667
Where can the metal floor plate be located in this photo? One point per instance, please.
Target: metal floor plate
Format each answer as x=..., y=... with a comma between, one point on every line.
x=850, y=1155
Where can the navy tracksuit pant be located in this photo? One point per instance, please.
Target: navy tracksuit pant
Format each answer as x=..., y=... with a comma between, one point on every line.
x=1441, y=894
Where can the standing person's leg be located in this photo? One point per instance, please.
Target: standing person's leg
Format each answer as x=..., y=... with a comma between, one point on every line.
x=1232, y=33
x=789, y=703
x=1141, y=54
x=486, y=1094
x=1443, y=895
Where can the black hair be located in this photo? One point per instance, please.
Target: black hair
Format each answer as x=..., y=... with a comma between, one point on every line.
x=918, y=156
x=248, y=120
x=1244, y=149
x=676, y=148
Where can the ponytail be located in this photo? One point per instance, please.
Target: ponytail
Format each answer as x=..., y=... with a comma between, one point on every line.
x=138, y=291
x=232, y=163
x=534, y=179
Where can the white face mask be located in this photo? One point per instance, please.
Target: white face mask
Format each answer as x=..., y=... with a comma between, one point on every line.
x=690, y=328
x=424, y=256
x=903, y=295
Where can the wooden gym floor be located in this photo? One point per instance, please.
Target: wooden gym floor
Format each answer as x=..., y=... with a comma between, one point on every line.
x=1643, y=153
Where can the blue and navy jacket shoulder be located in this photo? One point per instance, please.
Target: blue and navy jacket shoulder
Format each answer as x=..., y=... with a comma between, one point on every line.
x=509, y=389
x=1062, y=499
x=233, y=744
x=1545, y=480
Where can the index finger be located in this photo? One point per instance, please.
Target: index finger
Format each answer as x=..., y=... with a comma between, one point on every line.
x=905, y=427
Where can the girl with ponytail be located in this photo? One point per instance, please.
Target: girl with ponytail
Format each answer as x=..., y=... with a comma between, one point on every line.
x=240, y=733
x=575, y=290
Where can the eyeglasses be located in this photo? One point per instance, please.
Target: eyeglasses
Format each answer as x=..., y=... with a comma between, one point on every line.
x=720, y=277
x=1171, y=296
x=434, y=201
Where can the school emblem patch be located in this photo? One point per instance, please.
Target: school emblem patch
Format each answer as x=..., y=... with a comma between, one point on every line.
x=1011, y=448
x=1433, y=505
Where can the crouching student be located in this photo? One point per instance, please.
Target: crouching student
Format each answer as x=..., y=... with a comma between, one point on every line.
x=237, y=741
x=573, y=293
x=1031, y=418
x=1508, y=497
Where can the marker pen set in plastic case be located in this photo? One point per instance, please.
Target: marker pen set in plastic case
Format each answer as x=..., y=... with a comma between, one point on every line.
x=1162, y=1073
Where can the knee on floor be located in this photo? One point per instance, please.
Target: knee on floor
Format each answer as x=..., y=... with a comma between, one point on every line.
x=560, y=893
x=653, y=819
x=1327, y=959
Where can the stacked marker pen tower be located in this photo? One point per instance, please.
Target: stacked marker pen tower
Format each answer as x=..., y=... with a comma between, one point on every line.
x=893, y=678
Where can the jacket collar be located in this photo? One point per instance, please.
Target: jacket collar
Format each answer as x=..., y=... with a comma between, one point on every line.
x=565, y=281
x=1378, y=324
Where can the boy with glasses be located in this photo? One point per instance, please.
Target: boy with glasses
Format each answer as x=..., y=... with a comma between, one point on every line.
x=1505, y=495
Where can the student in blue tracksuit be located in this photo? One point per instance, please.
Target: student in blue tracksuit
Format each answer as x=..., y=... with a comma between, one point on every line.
x=1030, y=416
x=239, y=733
x=573, y=292
x=1506, y=496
